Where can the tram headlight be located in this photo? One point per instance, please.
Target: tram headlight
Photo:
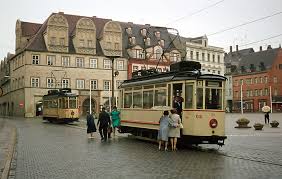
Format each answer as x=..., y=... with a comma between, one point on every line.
x=213, y=123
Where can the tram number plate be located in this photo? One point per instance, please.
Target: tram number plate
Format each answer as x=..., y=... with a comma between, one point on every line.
x=199, y=116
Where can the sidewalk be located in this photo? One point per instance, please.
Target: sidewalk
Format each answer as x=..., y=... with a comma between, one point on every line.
x=7, y=145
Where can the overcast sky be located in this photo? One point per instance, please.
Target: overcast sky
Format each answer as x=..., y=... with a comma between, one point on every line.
x=190, y=18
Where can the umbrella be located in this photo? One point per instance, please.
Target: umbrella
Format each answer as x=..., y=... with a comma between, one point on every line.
x=265, y=109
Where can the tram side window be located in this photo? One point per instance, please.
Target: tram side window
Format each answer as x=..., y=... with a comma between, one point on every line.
x=127, y=100
x=45, y=104
x=64, y=104
x=188, y=96
x=54, y=104
x=137, y=99
x=199, y=98
x=148, y=99
x=72, y=102
x=213, y=98
x=160, y=97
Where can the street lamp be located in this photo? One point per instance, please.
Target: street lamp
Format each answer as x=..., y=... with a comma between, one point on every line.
x=114, y=74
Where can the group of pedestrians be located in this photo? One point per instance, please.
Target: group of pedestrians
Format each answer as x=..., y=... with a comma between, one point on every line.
x=169, y=128
x=105, y=124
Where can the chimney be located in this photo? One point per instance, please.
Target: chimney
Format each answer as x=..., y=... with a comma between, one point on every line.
x=260, y=48
x=230, y=49
x=61, y=12
x=269, y=47
x=236, y=48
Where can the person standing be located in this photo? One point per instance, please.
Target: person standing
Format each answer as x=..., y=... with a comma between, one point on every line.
x=90, y=125
x=177, y=103
x=104, y=122
x=174, y=129
x=266, y=118
x=115, y=114
x=163, y=131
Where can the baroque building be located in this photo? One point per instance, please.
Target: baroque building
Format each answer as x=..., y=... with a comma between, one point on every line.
x=78, y=52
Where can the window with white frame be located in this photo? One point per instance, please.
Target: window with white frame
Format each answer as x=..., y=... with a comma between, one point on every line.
x=80, y=84
x=79, y=62
x=65, y=61
x=93, y=63
x=35, y=59
x=94, y=84
x=65, y=83
x=139, y=54
x=107, y=85
x=107, y=64
x=34, y=82
x=120, y=65
x=51, y=60
x=50, y=82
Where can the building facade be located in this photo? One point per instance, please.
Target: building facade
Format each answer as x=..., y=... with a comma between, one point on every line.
x=257, y=80
x=210, y=57
x=78, y=52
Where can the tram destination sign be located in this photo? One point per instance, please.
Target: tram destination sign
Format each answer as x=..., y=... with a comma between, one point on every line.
x=213, y=83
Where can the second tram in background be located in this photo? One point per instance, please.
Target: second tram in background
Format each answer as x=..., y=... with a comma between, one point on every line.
x=60, y=106
x=147, y=94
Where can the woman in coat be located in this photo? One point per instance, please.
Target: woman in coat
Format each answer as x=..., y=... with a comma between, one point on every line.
x=90, y=125
x=115, y=114
x=174, y=128
x=163, y=131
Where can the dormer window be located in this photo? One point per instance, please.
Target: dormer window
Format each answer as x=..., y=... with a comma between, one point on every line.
x=81, y=43
x=129, y=30
x=132, y=40
x=144, y=32
x=158, y=34
x=148, y=41
x=161, y=43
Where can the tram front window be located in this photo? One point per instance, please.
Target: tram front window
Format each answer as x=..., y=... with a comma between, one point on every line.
x=213, y=98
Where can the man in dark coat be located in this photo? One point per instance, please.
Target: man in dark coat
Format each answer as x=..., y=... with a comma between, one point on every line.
x=90, y=125
x=104, y=122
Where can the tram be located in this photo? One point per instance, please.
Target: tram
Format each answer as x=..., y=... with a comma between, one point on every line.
x=144, y=98
x=60, y=106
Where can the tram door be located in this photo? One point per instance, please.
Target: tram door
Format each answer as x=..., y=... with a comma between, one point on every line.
x=177, y=97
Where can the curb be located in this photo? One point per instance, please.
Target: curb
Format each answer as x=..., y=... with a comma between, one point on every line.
x=6, y=171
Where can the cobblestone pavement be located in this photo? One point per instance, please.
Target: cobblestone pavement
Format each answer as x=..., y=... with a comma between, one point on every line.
x=7, y=142
x=47, y=150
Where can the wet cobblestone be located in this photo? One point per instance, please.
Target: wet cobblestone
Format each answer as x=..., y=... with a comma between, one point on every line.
x=47, y=150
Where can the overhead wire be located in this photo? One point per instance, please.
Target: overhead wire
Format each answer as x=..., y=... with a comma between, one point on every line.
x=246, y=23
x=261, y=40
x=196, y=12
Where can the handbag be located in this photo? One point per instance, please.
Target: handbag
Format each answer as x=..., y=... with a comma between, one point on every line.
x=181, y=125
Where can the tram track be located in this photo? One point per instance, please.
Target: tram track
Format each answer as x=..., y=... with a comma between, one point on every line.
x=216, y=152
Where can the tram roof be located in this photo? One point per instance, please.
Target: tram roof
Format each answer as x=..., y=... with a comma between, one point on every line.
x=59, y=94
x=170, y=76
